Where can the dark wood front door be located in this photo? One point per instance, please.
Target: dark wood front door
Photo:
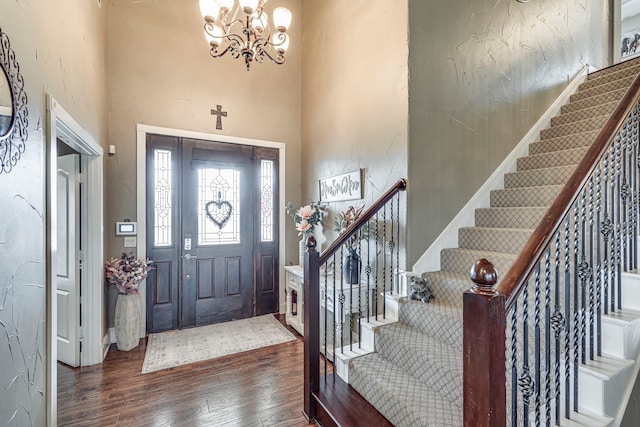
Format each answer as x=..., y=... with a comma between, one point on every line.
x=211, y=230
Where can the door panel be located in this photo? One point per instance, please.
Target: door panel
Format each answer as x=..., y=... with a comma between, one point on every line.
x=68, y=280
x=218, y=210
x=220, y=255
x=163, y=233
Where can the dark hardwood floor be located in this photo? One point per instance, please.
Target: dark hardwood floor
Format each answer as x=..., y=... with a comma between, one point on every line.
x=253, y=389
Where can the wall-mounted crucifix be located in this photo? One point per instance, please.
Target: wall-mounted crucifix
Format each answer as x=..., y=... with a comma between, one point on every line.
x=220, y=114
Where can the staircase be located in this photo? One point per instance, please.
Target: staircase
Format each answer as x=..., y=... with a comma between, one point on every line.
x=414, y=375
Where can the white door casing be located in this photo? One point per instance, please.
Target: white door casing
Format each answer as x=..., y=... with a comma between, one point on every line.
x=68, y=274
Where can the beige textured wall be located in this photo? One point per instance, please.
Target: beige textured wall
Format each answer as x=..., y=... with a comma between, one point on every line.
x=354, y=95
x=481, y=73
x=161, y=74
x=59, y=46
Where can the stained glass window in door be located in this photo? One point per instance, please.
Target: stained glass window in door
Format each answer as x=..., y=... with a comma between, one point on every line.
x=218, y=206
x=162, y=202
x=266, y=200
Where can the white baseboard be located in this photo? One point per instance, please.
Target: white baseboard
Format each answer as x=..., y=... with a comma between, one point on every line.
x=107, y=340
x=430, y=260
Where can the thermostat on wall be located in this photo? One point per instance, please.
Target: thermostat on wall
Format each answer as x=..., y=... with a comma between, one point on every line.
x=126, y=228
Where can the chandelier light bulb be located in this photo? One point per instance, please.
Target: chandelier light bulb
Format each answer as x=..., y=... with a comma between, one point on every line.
x=209, y=10
x=282, y=18
x=225, y=5
x=248, y=6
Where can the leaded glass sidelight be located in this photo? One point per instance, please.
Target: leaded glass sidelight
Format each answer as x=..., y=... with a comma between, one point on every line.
x=162, y=206
x=218, y=206
x=266, y=201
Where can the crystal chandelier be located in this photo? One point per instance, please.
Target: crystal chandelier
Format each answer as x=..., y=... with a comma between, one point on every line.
x=242, y=27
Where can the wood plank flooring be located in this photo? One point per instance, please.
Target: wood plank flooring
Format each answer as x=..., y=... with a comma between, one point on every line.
x=259, y=388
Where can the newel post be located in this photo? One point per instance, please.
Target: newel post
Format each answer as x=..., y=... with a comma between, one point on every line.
x=484, y=350
x=311, y=327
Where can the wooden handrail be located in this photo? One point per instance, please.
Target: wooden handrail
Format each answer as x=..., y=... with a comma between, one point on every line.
x=401, y=185
x=514, y=280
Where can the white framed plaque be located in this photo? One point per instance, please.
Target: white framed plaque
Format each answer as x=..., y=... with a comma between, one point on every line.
x=347, y=186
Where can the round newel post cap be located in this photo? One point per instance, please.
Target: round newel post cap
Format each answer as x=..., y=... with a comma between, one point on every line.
x=311, y=244
x=484, y=277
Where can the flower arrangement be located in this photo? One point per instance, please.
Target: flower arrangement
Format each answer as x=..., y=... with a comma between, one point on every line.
x=344, y=219
x=126, y=272
x=307, y=217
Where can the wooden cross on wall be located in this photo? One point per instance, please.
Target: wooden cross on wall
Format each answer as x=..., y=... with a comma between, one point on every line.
x=220, y=114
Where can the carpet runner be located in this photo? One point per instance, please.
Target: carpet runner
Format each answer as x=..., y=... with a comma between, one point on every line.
x=415, y=377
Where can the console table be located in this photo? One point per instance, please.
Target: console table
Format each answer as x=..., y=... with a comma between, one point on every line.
x=330, y=290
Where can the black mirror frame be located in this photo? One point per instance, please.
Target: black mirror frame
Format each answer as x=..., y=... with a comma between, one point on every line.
x=13, y=143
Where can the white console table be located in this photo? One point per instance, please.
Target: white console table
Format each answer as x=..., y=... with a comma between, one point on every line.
x=330, y=290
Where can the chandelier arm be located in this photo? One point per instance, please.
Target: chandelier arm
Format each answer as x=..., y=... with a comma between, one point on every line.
x=213, y=52
x=261, y=51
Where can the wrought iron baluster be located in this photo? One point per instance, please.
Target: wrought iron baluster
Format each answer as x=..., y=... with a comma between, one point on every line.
x=525, y=382
x=576, y=307
x=514, y=364
x=584, y=273
x=391, y=247
x=591, y=283
x=398, y=240
x=567, y=311
x=547, y=335
x=598, y=261
x=538, y=352
x=368, y=269
x=557, y=323
x=618, y=233
x=377, y=265
x=326, y=305
x=605, y=229
x=384, y=261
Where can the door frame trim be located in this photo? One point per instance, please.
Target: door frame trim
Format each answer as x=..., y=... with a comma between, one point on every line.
x=141, y=196
x=61, y=125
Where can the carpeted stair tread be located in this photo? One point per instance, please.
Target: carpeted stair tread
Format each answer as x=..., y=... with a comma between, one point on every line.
x=612, y=85
x=613, y=69
x=439, y=319
x=567, y=142
x=460, y=260
x=603, y=98
x=510, y=217
x=400, y=397
x=594, y=79
x=430, y=360
x=587, y=113
x=552, y=159
x=580, y=126
x=509, y=240
x=556, y=175
x=525, y=196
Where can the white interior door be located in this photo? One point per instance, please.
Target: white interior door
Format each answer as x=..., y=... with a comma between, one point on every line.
x=68, y=293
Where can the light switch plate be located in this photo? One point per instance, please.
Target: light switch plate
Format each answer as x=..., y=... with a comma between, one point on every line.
x=130, y=242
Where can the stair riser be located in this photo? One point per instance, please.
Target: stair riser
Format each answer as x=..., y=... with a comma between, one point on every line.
x=563, y=143
x=631, y=291
x=624, y=82
x=460, y=261
x=604, y=98
x=509, y=218
x=551, y=160
x=619, y=340
x=587, y=113
x=493, y=240
x=600, y=396
x=588, y=125
x=524, y=197
x=440, y=323
x=539, y=177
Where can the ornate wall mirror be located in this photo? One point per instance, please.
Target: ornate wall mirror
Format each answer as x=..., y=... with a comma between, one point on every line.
x=13, y=107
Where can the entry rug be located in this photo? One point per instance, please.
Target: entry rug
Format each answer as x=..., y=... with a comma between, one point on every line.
x=176, y=348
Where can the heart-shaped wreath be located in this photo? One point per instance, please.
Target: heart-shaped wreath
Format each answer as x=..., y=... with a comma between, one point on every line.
x=219, y=212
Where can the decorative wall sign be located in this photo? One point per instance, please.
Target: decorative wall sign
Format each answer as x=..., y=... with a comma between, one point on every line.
x=220, y=114
x=13, y=132
x=347, y=186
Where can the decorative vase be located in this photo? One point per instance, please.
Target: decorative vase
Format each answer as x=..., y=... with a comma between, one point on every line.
x=318, y=233
x=302, y=248
x=127, y=321
x=351, y=265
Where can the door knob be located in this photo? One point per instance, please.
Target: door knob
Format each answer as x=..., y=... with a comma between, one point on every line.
x=189, y=256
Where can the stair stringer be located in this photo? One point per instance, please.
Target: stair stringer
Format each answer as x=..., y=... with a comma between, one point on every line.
x=430, y=260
